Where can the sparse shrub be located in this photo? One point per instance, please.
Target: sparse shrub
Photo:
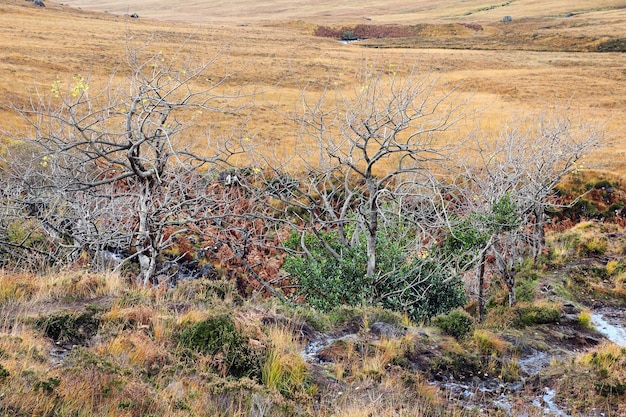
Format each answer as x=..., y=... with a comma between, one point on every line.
x=510, y=370
x=348, y=36
x=457, y=323
x=594, y=245
x=522, y=314
x=488, y=343
x=608, y=362
x=47, y=385
x=4, y=374
x=526, y=282
x=69, y=327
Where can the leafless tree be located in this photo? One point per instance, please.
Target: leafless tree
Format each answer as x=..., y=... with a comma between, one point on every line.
x=366, y=151
x=112, y=168
x=506, y=185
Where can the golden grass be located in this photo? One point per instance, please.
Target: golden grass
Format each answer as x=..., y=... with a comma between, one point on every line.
x=134, y=349
x=487, y=343
x=279, y=59
x=584, y=319
x=380, y=11
x=65, y=285
x=284, y=369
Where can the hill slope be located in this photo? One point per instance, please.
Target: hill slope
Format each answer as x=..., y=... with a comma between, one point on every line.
x=395, y=11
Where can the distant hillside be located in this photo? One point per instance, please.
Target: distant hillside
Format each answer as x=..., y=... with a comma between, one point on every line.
x=395, y=11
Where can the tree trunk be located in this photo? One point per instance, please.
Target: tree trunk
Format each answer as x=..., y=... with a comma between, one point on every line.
x=508, y=277
x=144, y=244
x=372, y=229
x=481, y=284
x=371, y=254
x=539, y=233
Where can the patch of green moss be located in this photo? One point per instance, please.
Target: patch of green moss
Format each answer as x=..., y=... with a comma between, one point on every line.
x=529, y=315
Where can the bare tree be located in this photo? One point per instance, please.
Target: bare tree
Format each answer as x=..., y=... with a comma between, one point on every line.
x=111, y=168
x=364, y=150
x=506, y=184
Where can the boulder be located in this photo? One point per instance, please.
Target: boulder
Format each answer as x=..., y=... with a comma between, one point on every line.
x=382, y=329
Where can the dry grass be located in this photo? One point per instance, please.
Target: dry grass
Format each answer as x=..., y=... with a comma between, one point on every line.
x=284, y=369
x=65, y=286
x=280, y=59
x=380, y=11
x=487, y=343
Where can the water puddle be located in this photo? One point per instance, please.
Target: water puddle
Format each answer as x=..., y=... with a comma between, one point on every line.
x=535, y=362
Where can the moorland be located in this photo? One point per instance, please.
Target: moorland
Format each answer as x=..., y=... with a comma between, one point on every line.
x=242, y=333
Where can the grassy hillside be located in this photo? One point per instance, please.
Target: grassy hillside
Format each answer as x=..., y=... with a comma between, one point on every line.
x=81, y=344
x=323, y=12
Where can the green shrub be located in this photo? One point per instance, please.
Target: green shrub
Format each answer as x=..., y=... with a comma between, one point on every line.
x=457, y=323
x=4, y=374
x=219, y=336
x=526, y=281
x=417, y=288
x=348, y=36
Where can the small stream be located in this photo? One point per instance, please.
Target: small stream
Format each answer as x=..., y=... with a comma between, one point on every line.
x=489, y=391
x=610, y=322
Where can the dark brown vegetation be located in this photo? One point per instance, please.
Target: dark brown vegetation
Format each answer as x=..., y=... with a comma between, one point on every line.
x=511, y=35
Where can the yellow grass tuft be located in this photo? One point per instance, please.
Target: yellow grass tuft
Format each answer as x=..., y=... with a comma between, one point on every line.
x=139, y=316
x=284, y=369
x=17, y=287
x=613, y=266
x=134, y=349
x=79, y=285
x=488, y=343
x=584, y=319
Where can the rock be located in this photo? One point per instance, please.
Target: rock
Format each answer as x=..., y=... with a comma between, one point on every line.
x=570, y=317
x=207, y=271
x=592, y=340
x=507, y=19
x=382, y=329
x=569, y=308
x=39, y=3
x=134, y=16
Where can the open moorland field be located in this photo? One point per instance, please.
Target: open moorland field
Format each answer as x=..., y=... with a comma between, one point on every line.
x=546, y=56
